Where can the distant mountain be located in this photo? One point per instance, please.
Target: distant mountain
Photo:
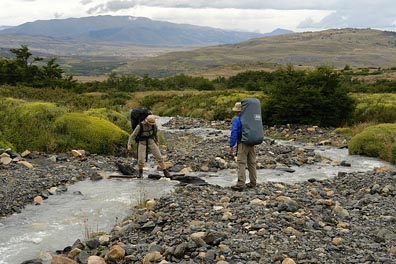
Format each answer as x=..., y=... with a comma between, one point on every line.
x=4, y=27
x=278, y=32
x=334, y=47
x=135, y=30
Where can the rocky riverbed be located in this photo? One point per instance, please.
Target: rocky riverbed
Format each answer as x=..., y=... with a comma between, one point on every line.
x=23, y=176
x=348, y=219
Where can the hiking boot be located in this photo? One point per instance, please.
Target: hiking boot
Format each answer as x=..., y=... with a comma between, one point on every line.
x=140, y=175
x=166, y=173
x=251, y=185
x=238, y=188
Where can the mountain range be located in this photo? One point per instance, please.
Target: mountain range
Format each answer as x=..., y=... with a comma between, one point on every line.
x=334, y=47
x=104, y=44
x=135, y=30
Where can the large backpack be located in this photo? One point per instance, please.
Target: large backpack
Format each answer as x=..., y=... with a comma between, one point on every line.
x=138, y=115
x=252, y=125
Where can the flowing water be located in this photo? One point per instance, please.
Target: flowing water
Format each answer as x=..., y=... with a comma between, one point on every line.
x=318, y=171
x=87, y=206
x=97, y=206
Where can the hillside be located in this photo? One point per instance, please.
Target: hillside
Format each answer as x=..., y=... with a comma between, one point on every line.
x=337, y=47
x=135, y=30
x=82, y=57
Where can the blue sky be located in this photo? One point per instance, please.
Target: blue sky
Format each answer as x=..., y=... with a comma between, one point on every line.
x=244, y=15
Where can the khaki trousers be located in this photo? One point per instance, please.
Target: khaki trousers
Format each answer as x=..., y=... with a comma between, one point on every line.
x=153, y=148
x=246, y=157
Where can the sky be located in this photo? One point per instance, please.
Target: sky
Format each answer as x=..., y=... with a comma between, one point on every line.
x=261, y=16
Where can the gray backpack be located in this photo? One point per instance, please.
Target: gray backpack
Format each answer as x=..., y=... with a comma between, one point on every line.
x=252, y=125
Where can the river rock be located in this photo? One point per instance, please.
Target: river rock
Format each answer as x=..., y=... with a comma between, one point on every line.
x=95, y=260
x=26, y=164
x=115, y=252
x=62, y=260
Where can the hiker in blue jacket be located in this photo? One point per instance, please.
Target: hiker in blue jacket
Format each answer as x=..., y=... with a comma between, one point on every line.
x=246, y=154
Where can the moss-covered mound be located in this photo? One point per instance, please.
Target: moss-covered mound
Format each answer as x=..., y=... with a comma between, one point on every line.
x=114, y=117
x=90, y=133
x=375, y=141
x=29, y=125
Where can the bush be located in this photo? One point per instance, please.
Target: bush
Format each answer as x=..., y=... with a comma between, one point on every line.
x=378, y=108
x=118, y=119
x=4, y=143
x=79, y=131
x=211, y=105
x=313, y=98
x=343, y=131
x=28, y=125
x=375, y=141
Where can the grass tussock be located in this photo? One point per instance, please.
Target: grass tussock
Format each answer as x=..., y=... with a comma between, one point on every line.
x=375, y=141
x=87, y=132
x=45, y=126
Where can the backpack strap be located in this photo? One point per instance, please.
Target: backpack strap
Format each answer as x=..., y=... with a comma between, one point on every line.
x=145, y=138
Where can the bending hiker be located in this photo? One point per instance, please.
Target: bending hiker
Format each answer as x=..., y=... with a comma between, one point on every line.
x=145, y=135
x=246, y=155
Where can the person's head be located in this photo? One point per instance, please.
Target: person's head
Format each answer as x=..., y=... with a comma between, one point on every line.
x=237, y=107
x=150, y=120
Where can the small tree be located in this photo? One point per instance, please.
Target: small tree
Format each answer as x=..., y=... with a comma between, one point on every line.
x=314, y=98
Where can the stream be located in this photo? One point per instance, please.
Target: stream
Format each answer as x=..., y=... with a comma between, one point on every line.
x=90, y=206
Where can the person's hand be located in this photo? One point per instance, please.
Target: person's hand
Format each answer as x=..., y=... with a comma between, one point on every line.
x=129, y=148
x=231, y=151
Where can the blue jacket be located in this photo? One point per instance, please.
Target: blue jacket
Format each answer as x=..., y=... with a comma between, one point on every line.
x=236, y=131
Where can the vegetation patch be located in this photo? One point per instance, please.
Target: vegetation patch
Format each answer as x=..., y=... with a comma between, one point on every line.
x=346, y=131
x=93, y=134
x=29, y=125
x=211, y=105
x=375, y=141
x=375, y=107
x=118, y=119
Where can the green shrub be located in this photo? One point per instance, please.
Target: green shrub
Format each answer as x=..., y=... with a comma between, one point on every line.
x=28, y=125
x=343, y=131
x=378, y=108
x=311, y=98
x=392, y=154
x=120, y=120
x=79, y=131
x=211, y=105
x=375, y=141
x=4, y=143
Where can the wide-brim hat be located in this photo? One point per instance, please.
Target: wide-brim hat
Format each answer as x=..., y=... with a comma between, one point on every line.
x=150, y=119
x=237, y=107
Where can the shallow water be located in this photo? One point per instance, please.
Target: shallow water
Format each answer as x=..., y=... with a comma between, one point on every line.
x=98, y=206
x=61, y=219
x=303, y=173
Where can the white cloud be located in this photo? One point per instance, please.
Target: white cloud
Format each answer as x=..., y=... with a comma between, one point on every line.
x=232, y=19
x=248, y=15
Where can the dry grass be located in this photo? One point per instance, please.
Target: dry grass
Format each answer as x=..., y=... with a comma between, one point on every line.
x=357, y=128
x=84, y=79
x=353, y=47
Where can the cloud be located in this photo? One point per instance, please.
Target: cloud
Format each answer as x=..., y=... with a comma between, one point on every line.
x=58, y=15
x=355, y=18
x=115, y=5
x=247, y=15
x=85, y=2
